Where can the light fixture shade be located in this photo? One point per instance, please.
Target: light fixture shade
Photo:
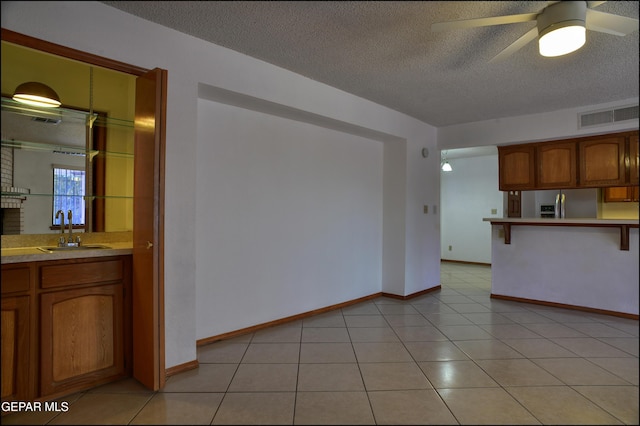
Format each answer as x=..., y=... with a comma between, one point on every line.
x=562, y=41
x=36, y=94
x=446, y=167
x=561, y=28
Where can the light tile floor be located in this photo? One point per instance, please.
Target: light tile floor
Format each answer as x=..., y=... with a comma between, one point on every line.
x=453, y=356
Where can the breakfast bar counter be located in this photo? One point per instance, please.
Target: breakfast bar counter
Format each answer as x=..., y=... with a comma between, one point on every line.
x=589, y=264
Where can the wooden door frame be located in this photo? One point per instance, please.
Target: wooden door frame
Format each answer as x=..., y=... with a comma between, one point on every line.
x=158, y=352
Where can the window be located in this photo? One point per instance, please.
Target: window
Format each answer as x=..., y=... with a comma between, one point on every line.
x=68, y=194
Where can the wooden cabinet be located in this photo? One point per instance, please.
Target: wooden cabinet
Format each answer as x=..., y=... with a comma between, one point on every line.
x=556, y=165
x=614, y=194
x=81, y=338
x=15, y=348
x=15, y=325
x=588, y=162
x=602, y=161
x=517, y=167
x=66, y=325
x=634, y=160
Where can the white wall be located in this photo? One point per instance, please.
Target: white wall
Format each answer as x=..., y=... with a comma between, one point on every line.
x=289, y=218
x=553, y=125
x=572, y=265
x=468, y=194
x=99, y=29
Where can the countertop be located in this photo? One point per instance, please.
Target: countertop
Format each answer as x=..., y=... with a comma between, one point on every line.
x=566, y=221
x=31, y=254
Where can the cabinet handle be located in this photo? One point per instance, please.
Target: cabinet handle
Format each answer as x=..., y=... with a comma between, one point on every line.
x=149, y=245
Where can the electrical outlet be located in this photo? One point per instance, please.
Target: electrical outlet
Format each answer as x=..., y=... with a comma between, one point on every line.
x=425, y=209
x=494, y=211
x=450, y=248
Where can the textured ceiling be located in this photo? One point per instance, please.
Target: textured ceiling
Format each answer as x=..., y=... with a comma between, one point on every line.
x=386, y=52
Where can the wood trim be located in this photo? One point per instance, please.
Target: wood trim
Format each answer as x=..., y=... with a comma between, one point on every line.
x=466, y=262
x=243, y=331
x=159, y=217
x=564, y=306
x=247, y=330
x=181, y=368
x=67, y=52
x=412, y=295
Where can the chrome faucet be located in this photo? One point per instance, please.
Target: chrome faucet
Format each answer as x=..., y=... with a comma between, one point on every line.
x=70, y=242
x=70, y=217
x=60, y=215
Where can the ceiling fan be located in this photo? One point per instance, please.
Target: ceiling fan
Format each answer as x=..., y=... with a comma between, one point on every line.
x=558, y=22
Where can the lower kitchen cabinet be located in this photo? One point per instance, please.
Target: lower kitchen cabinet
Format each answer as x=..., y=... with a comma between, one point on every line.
x=81, y=338
x=15, y=348
x=66, y=326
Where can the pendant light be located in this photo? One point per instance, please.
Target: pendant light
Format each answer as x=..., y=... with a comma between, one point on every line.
x=37, y=94
x=446, y=167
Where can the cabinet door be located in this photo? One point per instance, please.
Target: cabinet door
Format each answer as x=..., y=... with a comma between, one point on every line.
x=602, y=162
x=81, y=338
x=516, y=167
x=15, y=348
x=634, y=160
x=556, y=165
x=615, y=194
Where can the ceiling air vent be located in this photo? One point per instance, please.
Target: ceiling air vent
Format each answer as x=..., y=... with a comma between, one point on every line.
x=610, y=116
x=46, y=120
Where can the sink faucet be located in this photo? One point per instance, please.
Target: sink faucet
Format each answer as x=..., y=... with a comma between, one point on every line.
x=60, y=215
x=70, y=217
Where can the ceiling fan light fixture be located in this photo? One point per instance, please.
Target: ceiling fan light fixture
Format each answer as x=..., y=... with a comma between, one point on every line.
x=561, y=28
x=562, y=41
x=36, y=94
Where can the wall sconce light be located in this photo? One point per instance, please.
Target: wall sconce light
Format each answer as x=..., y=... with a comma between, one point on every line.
x=36, y=94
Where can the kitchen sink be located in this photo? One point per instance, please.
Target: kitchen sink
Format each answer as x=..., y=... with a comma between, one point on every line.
x=51, y=249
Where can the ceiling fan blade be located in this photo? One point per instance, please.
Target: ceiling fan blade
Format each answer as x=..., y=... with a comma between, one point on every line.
x=516, y=45
x=609, y=23
x=483, y=22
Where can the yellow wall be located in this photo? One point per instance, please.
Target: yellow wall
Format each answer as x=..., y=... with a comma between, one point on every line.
x=616, y=210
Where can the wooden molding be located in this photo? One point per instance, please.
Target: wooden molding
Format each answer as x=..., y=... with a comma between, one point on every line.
x=236, y=333
x=413, y=295
x=181, y=368
x=67, y=52
x=564, y=306
x=466, y=262
x=285, y=320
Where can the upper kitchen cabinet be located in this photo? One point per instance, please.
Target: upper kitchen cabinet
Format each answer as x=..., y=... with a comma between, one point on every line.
x=634, y=160
x=517, y=167
x=556, y=165
x=588, y=162
x=602, y=161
